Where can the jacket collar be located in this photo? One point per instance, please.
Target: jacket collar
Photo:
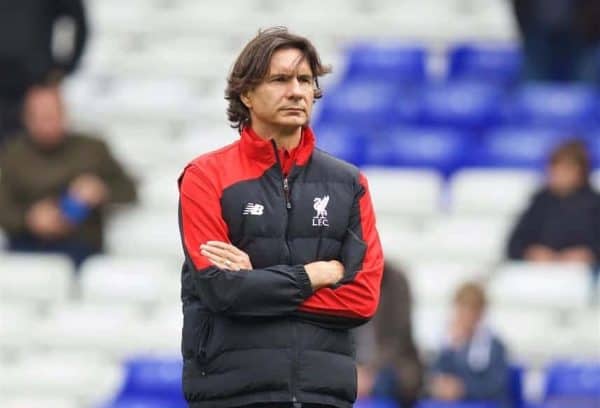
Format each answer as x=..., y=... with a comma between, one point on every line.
x=264, y=151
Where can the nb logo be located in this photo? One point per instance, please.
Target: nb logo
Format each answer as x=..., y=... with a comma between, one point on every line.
x=253, y=209
x=320, y=206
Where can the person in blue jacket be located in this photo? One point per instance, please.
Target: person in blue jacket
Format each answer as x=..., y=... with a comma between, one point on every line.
x=472, y=364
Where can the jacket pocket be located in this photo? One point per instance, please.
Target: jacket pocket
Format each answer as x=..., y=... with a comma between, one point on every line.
x=205, y=334
x=352, y=255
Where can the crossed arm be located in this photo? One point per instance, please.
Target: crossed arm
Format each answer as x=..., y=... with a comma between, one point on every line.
x=227, y=282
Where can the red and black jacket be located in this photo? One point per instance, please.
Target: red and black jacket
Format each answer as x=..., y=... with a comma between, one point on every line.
x=263, y=335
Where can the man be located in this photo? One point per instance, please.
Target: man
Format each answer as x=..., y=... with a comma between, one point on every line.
x=54, y=184
x=562, y=221
x=282, y=254
x=28, y=55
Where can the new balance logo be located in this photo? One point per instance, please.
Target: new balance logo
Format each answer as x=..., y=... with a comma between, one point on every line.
x=253, y=209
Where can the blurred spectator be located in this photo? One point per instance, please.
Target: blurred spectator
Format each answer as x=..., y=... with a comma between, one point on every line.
x=27, y=52
x=388, y=362
x=562, y=222
x=54, y=183
x=560, y=38
x=472, y=365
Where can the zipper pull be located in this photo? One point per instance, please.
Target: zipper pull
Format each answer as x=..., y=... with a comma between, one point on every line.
x=286, y=190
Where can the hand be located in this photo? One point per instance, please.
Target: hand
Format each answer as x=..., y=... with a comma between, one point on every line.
x=45, y=220
x=447, y=388
x=540, y=253
x=577, y=254
x=225, y=256
x=365, y=379
x=89, y=189
x=324, y=273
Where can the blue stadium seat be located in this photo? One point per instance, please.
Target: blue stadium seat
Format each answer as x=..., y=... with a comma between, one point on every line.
x=396, y=63
x=145, y=403
x=460, y=404
x=375, y=403
x=593, y=142
x=548, y=104
x=573, y=384
x=439, y=148
x=466, y=104
x=485, y=62
x=363, y=103
x=152, y=378
x=517, y=146
x=344, y=141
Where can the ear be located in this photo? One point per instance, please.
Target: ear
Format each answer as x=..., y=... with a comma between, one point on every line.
x=246, y=99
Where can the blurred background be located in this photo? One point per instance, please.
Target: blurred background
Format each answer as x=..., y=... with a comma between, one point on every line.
x=476, y=121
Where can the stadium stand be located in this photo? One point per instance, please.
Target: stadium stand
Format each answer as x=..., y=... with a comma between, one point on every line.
x=425, y=96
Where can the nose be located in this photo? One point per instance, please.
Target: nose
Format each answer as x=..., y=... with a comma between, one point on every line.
x=294, y=89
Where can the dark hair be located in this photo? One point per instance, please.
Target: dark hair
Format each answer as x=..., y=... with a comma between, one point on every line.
x=574, y=151
x=252, y=65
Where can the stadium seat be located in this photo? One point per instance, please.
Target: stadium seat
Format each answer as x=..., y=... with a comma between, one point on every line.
x=162, y=332
x=524, y=329
x=152, y=378
x=107, y=279
x=477, y=240
x=517, y=147
x=404, y=192
x=462, y=104
x=552, y=286
x=596, y=179
x=17, y=323
x=38, y=401
x=86, y=378
x=492, y=192
x=391, y=62
x=137, y=233
x=114, y=331
x=546, y=104
x=367, y=104
x=442, y=404
x=436, y=281
x=441, y=149
x=401, y=240
x=40, y=278
x=430, y=322
x=375, y=403
x=573, y=384
x=343, y=141
x=485, y=62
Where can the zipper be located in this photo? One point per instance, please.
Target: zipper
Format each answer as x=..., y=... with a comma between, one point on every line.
x=288, y=207
x=286, y=193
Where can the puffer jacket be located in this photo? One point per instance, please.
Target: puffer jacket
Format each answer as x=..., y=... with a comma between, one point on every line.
x=263, y=335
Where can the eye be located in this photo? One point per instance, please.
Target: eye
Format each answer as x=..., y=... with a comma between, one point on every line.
x=279, y=79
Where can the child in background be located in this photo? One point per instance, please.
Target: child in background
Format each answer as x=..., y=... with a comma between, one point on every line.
x=472, y=365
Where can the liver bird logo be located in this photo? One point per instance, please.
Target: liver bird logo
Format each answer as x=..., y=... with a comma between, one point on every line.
x=320, y=206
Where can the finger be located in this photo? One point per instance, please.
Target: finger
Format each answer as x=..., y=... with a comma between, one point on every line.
x=230, y=253
x=216, y=251
x=228, y=247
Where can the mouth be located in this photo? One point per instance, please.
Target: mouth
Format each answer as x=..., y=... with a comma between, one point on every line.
x=293, y=110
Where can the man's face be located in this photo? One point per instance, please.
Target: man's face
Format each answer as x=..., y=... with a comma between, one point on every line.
x=285, y=97
x=44, y=117
x=564, y=177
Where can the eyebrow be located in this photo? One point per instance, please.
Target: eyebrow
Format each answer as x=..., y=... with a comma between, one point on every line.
x=289, y=75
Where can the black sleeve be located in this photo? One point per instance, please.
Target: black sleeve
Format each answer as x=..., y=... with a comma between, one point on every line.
x=526, y=230
x=74, y=10
x=271, y=291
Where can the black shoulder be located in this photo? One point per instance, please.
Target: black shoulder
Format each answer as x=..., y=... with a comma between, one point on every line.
x=334, y=168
